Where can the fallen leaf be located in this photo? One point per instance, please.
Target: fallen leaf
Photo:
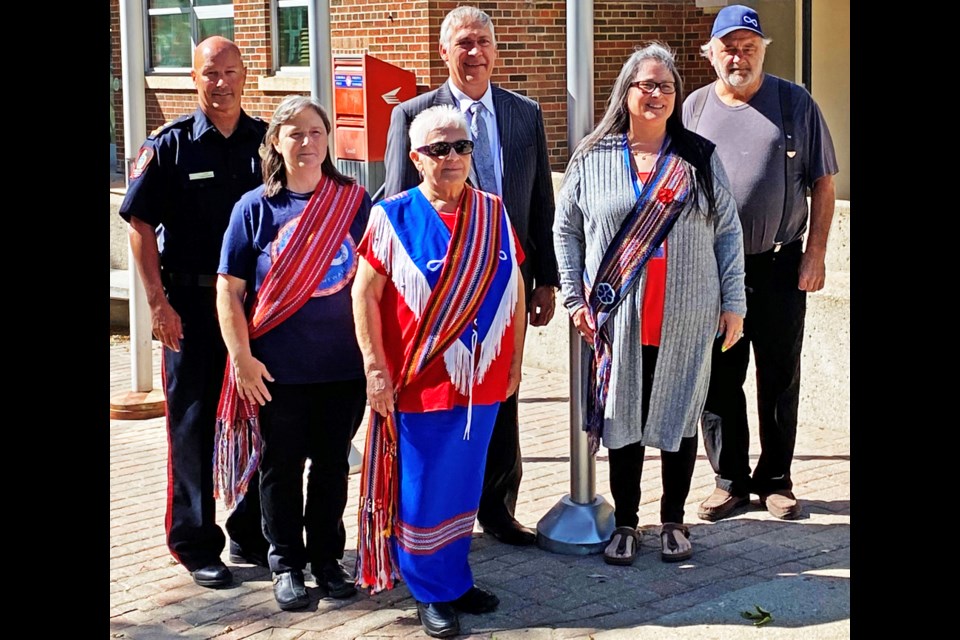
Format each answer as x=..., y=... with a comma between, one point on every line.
x=763, y=621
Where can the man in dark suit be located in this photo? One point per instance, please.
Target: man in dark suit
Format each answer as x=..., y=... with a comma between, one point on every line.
x=509, y=159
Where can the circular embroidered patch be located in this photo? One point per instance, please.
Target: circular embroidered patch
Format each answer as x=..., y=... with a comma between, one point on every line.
x=605, y=293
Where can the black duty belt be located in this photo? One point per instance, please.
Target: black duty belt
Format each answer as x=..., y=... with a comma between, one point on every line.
x=190, y=279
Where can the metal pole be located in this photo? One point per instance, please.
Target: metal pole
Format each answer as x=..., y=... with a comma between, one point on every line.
x=134, y=132
x=583, y=481
x=582, y=522
x=321, y=88
x=321, y=65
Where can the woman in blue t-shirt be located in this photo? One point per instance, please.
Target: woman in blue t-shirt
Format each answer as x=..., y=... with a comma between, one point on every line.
x=283, y=297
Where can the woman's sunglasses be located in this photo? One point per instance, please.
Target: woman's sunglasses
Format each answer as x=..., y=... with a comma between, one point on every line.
x=442, y=149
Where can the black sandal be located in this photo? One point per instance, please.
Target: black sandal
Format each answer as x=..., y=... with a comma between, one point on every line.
x=622, y=558
x=669, y=529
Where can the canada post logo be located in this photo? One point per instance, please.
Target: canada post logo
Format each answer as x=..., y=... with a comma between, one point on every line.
x=390, y=97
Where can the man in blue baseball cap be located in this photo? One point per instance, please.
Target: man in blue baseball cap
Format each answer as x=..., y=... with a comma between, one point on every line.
x=775, y=146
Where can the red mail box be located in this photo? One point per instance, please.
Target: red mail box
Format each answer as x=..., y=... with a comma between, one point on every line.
x=365, y=92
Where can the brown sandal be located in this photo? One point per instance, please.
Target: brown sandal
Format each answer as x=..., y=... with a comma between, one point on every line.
x=668, y=542
x=620, y=555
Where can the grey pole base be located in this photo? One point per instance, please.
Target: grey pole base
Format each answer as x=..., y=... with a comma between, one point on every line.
x=576, y=529
x=355, y=459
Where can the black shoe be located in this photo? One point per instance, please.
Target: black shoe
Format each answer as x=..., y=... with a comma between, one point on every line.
x=511, y=533
x=439, y=619
x=476, y=600
x=333, y=579
x=289, y=590
x=239, y=555
x=214, y=575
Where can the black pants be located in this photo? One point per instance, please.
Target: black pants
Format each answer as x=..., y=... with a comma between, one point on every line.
x=503, y=471
x=316, y=421
x=774, y=326
x=626, y=465
x=192, y=379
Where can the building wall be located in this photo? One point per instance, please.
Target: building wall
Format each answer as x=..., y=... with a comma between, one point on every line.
x=830, y=34
x=531, y=36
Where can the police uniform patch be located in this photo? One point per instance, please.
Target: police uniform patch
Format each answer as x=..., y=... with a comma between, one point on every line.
x=143, y=159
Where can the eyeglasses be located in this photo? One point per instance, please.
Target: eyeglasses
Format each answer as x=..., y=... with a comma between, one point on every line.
x=442, y=149
x=648, y=86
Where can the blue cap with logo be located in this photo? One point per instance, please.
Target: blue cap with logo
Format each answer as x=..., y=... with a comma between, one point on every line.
x=734, y=17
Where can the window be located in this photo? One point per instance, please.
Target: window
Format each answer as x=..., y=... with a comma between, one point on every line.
x=292, y=39
x=175, y=27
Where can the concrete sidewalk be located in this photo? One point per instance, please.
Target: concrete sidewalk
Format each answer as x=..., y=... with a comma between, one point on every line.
x=800, y=570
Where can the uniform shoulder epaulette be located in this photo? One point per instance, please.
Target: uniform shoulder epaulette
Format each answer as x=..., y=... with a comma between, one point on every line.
x=168, y=125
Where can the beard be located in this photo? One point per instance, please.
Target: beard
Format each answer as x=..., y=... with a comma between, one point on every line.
x=740, y=78
x=735, y=77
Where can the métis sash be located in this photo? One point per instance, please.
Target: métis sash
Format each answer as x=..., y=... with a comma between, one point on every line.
x=660, y=202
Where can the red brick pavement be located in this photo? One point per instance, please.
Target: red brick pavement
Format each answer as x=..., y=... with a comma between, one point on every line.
x=543, y=595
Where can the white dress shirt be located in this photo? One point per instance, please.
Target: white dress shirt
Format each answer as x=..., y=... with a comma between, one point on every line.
x=490, y=119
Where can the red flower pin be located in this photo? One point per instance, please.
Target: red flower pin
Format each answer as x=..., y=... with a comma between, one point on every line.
x=665, y=195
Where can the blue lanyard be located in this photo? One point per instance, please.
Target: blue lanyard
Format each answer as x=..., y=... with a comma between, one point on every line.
x=636, y=181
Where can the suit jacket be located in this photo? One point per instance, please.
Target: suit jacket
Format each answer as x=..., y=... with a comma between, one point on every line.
x=527, y=182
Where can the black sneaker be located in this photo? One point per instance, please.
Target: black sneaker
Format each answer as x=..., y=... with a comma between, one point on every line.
x=239, y=555
x=333, y=579
x=476, y=601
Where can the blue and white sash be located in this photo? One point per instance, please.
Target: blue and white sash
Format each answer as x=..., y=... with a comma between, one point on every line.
x=411, y=241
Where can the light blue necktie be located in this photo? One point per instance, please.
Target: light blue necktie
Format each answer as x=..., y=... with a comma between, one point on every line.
x=482, y=162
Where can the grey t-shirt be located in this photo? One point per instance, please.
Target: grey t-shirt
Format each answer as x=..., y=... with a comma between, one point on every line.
x=750, y=143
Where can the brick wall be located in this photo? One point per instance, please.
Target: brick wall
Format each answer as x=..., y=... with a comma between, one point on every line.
x=395, y=32
x=620, y=27
x=115, y=69
x=531, y=37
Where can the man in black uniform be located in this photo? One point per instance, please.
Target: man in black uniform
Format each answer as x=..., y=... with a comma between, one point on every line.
x=186, y=179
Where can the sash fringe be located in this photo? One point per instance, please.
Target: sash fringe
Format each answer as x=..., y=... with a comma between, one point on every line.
x=391, y=253
x=237, y=448
x=459, y=362
x=376, y=567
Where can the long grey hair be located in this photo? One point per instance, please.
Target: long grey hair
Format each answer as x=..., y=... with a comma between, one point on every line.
x=616, y=119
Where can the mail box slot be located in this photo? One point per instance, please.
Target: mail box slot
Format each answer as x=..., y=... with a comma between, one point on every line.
x=366, y=90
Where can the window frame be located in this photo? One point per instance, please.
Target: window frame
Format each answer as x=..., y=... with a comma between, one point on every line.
x=196, y=13
x=278, y=69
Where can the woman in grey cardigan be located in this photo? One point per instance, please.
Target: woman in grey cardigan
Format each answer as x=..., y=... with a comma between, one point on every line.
x=651, y=269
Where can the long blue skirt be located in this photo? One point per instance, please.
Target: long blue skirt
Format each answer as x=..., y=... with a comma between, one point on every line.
x=440, y=476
